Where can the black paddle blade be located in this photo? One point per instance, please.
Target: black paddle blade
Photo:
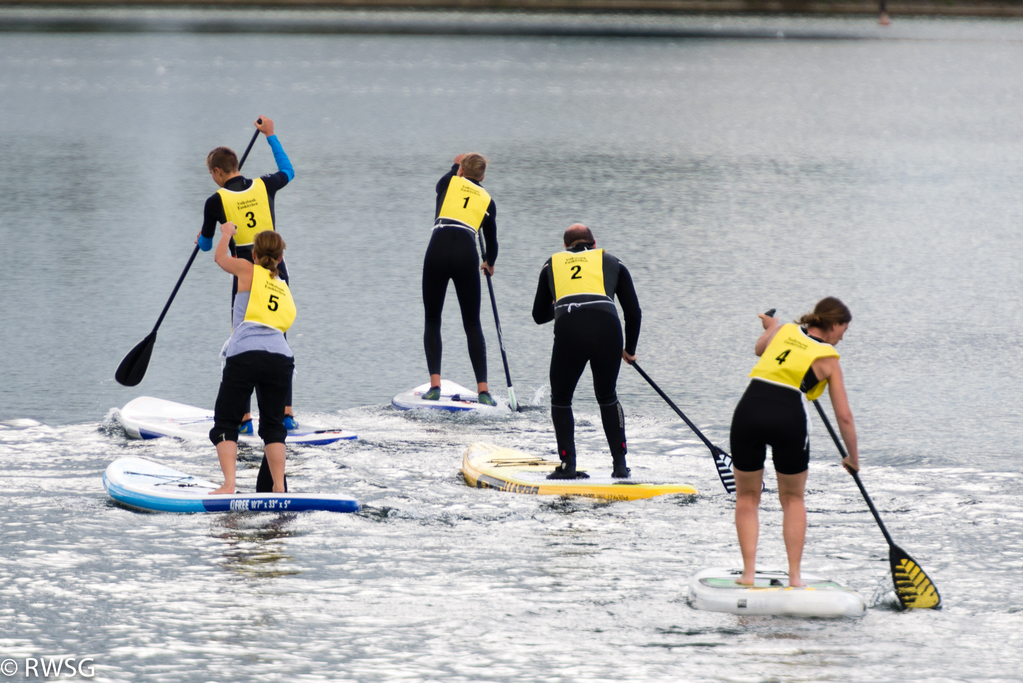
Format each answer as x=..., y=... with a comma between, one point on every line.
x=133, y=368
x=723, y=461
x=912, y=586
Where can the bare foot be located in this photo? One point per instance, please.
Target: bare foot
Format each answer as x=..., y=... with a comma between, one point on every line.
x=796, y=582
x=744, y=580
x=223, y=489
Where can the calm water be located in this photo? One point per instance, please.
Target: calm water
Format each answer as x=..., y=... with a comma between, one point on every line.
x=731, y=176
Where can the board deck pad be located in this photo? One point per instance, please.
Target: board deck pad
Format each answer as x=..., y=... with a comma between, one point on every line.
x=715, y=590
x=453, y=398
x=486, y=466
x=151, y=418
x=150, y=486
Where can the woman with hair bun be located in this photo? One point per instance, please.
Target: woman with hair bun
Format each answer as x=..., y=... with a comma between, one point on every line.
x=258, y=357
x=797, y=361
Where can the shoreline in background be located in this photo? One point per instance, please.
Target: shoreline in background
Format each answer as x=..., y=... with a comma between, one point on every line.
x=822, y=8
x=420, y=20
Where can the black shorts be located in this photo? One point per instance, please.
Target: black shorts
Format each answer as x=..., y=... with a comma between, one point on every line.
x=268, y=373
x=770, y=415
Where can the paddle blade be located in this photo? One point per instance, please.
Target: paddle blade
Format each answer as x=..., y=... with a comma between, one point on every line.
x=512, y=403
x=133, y=368
x=912, y=586
x=723, y=462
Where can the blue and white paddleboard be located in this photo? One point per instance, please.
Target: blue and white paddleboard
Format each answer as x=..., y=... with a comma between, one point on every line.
x=151, y=418
x=453, y=398
x=153, y=487
x=715, y=590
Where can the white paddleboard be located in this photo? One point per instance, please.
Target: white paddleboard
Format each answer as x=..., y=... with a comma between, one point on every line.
x=715, y=590
x=453, y=398
x=153, y=487
x=152, y=418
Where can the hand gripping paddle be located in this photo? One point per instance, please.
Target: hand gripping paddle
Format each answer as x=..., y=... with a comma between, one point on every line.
x=913, y=587
x=134, y=365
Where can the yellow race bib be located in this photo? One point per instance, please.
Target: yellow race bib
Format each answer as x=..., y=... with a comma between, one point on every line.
x=465, y=202
x=249, y=210
x=270, y=301
x=789, y=355
x=578, y=273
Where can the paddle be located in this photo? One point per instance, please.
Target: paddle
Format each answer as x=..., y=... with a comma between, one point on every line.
x=722, y=460
x=500, y=337
x=912, y=586
x=134, y=365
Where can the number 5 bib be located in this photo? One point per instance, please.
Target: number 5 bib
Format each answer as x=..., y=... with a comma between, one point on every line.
x=249, y=210
x=270, y=301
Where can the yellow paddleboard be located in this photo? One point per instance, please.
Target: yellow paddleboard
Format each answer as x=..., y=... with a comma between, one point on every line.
x=486, y=466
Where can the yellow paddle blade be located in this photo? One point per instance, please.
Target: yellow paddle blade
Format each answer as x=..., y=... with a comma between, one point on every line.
x=913, y=587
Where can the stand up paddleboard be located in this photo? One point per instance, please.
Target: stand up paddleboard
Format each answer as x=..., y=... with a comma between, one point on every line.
x=491, y=467
x=153, y=487
x=152, y=418
x=453, y=398
x=715, y=590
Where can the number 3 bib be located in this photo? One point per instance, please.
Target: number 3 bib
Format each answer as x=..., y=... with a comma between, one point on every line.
x=249, y=210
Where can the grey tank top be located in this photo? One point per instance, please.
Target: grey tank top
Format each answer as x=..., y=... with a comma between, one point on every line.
x=253, y=336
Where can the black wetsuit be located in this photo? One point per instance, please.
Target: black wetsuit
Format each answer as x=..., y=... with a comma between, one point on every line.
x=589, y=331
x=452, y=255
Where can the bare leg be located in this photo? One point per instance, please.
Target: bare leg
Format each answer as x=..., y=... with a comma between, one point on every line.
x=481, y=387
x=275, y=456
x=791, y=489
x=434, y=380
x=747, y=521
x=227, y=453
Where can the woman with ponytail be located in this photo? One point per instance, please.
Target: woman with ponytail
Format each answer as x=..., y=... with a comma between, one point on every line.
x=797, y=362
x=257, y=357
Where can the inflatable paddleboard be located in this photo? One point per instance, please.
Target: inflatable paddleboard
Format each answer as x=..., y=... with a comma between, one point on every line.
x=153, y=487
x=715, y=590
x=152, y=418
x=491, y=467
x=453, y=398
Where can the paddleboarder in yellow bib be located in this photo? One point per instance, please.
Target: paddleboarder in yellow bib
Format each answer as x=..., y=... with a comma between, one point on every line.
x=577, y=289
x=464, y=209
x=257, y=357
x=797, y=362
x=249, y=205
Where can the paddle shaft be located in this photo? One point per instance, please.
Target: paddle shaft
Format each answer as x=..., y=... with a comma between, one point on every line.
x=855, y=475
x=133, y=366
x=196, y=250
x=500, y=336
x=722, y=461
x=673, y=406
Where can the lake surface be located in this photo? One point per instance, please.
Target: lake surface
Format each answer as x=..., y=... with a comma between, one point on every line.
x=731, y=176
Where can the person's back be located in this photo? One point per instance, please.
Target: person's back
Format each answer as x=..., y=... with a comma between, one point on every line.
x=576, y=289
x=464, y=212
